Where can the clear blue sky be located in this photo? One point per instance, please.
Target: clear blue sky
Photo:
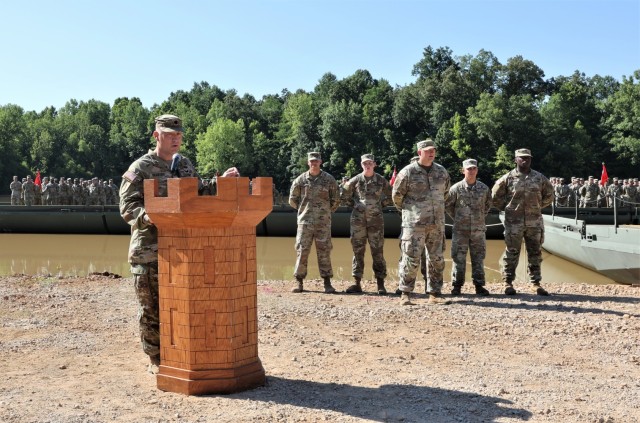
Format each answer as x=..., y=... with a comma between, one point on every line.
x=54, y=51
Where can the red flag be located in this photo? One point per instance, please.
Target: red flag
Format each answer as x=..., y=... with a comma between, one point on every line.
x=37, y=181
x=393, y=177
x=604, y=178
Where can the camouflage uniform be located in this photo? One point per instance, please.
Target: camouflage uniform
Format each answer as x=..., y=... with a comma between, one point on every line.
x=614, y=193
x=29, y=192
x=468, y=205
x=522, y=197
x=96, y=193
x=420, y=194
x=315, y=198
x=48, y=192
x=16, y=192
x=562, y=193
x=143, y=248
x=589, y=193
x=367, y=196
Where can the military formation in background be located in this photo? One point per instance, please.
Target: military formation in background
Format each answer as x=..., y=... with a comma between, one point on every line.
x=593, y=193
x=63, y=192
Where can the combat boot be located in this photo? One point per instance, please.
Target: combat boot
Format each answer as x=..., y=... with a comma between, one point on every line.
x=436, y=299
x=328, y=289
x=405, y=298
x=356, y=288
x=381, y=289
x=539, y=290
x=299, y=287
x=481, y=290
x=154, y=364
x=457, y=290
x=509, y=289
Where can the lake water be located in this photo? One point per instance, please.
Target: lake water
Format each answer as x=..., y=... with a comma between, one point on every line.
x=79, y=255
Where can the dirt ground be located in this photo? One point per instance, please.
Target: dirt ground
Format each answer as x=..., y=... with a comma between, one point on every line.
x=69, y=352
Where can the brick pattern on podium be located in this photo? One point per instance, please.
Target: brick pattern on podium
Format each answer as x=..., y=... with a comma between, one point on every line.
x=208, y=309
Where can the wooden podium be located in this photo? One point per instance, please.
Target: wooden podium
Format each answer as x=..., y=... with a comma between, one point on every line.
x=207, y=284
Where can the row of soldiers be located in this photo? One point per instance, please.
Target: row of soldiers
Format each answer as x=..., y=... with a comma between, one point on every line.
x=63, y=191
x=591, y=193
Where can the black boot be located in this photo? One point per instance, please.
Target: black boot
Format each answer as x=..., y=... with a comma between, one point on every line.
x=381, y=289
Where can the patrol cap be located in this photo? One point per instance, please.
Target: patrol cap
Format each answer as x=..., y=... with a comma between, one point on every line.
x=426, y=144
x=314, y=155
x=366, y=157
x=169, y=123
x=469, y=163
x=523, y=152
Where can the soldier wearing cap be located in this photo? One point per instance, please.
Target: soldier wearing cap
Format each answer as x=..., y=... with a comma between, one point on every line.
x=522, y=193
x=562, y=193
x=28, y=191
x=315, y=195
x=143, y=248
x=419, y=192
x=16, y=191
x=614, y=193
x=367, y=193
x=589, y=193
x=468, y=204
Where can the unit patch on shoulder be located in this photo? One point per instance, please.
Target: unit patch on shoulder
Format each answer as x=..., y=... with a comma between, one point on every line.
x=130, y=176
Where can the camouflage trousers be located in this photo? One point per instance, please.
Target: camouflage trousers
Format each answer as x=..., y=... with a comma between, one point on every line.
x=533, y=239
x=413, y=242
x=475, y=243
x=304, y=239
x=15, y=200
x=146, y=286
x=374, y=235
x=28, y=200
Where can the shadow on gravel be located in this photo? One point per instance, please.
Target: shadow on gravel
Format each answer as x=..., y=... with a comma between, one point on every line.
x=406, y=403
x=534, y=302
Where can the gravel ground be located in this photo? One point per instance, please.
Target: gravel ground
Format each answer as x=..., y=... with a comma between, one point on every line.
x=69, y=352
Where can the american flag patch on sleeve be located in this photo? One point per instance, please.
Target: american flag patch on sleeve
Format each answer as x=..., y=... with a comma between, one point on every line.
x=130, y=176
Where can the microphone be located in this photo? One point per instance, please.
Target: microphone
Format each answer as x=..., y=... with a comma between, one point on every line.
x=174, y=165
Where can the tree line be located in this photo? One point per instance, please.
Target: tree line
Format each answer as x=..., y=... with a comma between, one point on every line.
x=472, y=106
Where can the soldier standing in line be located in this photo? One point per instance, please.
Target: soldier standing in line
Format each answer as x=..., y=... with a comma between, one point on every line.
x=522, y=193
x=143, y=248
x=613, y=194
x=16, y=191
x=47, y=192
x=95, y=193
x=368, y=192
x=563, y=192
x=468, y=204
x=29, y=191
x=315, y=195
x=589, y=193
x=419, y=191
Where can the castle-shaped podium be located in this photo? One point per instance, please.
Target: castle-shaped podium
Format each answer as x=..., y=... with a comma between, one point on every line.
x=208, y=283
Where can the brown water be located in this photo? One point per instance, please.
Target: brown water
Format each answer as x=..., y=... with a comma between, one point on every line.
x=79, y=255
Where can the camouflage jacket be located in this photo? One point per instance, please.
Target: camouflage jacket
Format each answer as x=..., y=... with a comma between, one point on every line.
x=16, y=188
x=143, y=247
x=522, y=197
x=468, y=206
x=29, y=189
x=367, y=196
x=420, y=194
x=315, y=198
x=590, y=193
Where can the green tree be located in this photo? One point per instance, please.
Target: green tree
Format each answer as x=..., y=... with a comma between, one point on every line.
x=623, y=120
x=221, y=147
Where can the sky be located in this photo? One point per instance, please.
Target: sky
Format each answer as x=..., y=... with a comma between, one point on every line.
x=55, y=51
